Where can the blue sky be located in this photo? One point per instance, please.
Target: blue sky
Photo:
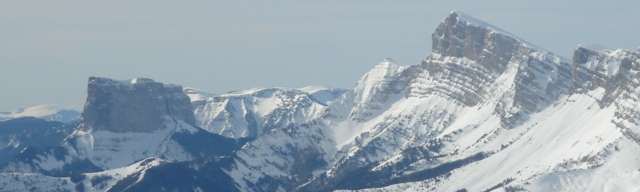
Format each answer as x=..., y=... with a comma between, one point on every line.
x=48, y=49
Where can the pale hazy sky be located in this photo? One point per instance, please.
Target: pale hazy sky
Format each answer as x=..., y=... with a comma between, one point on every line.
x=48, y=49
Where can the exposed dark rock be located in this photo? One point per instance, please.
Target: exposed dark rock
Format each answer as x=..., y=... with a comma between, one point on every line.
x=140, y=105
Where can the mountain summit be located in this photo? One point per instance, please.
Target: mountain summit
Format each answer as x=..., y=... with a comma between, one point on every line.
x=137, y=105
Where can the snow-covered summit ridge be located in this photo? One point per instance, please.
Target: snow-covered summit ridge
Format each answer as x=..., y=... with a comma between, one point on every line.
x=250, y=113
x=376, y=87
x=375, y=78
x=46, y=112
x=38, y=110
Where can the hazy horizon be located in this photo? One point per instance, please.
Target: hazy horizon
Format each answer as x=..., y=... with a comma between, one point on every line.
x=50, y=48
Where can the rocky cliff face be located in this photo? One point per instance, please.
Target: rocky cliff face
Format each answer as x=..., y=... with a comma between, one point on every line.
x=469, y=56
x=612, y=70
x=126, y=121
x=462, y=36
x=138, y=105
x=536, y=97
x=613, y=76
x=473, y=97
x=477, y=72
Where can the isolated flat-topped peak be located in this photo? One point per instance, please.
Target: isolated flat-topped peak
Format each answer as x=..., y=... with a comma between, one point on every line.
x=137, y=105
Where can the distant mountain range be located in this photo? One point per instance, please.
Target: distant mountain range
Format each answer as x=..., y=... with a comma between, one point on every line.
x=484, y=111
x=47, y=112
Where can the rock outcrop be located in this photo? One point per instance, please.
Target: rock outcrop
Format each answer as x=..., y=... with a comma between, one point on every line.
x=139, y=105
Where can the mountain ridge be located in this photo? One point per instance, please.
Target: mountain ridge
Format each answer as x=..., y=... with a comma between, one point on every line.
x=485, y=111
x=47, y=112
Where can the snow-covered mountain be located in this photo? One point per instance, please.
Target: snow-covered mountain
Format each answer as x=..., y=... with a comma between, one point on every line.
x=124, y=124
x=251, y=113
x=484, y=111
x=491, y=112
x=46, y=112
